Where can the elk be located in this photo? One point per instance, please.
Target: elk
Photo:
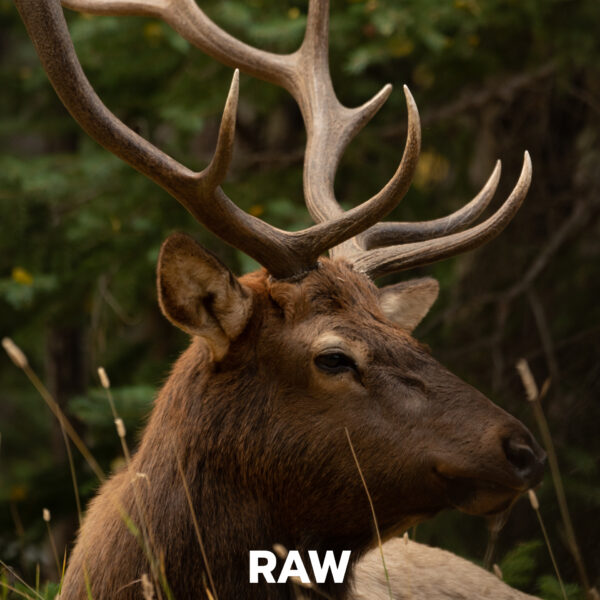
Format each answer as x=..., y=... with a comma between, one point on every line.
x=248, y=441
x=420, y=572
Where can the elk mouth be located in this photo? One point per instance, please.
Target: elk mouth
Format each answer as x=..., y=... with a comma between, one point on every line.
x=478, y=496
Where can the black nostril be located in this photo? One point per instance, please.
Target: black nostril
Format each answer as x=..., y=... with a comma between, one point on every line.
x=524, y=458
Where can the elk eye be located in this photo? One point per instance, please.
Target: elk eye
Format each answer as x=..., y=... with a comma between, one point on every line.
x=335, y=362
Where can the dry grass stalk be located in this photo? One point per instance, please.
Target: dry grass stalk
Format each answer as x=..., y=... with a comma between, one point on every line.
x=67, y=431
x=46, y=516
x=120, y=426
x=280, y=550
x=16, y=576
x=209, y=594
x=19, y=358
x=527, y=379
x=14, y=590
x=497, y=571
x=104, y=380
x=379, y=543
x=531, y=388
x=147, y=587
x=15, y=353
x=196, y=525
x=536, y=507
x=533, y=499
x=147, y=541
x=495, y=525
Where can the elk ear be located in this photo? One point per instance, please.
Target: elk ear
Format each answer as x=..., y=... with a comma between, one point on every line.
x=200, y=295
x=408, y=302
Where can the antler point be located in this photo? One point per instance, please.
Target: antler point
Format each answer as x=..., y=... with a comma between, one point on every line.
x=527, y=166
x=235, y=81
x=410, y=101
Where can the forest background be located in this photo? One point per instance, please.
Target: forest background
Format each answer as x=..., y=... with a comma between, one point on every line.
x=80, y=231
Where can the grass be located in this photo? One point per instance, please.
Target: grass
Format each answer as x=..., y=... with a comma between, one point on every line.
x=69, y=433
x=535, y=397
x=373, y=515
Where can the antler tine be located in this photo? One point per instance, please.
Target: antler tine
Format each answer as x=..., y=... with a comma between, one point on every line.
x=121, y=7
x=352, y=222
x=389, y=234
x=330, y=127
x=283, y=254
x=188, y=19
x=305, y=74
x=197, y=192
x=381, y=261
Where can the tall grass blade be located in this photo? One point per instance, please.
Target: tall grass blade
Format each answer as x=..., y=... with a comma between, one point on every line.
x=362, y=478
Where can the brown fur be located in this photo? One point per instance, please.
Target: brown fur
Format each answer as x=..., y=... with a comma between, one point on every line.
x=260, y=436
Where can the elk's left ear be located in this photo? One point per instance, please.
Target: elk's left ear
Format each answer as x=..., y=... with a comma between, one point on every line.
x=200, y=295
x=408, y=302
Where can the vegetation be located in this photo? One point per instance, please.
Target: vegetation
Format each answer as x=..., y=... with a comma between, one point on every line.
x=81, y=233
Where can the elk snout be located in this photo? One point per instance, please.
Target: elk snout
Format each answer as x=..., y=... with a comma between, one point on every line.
x=526, y=457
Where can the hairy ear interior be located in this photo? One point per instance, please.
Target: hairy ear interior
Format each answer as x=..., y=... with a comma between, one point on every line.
x=408, y=302
x=200, y=295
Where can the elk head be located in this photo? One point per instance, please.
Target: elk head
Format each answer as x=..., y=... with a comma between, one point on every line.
x=288, y=360
x=331, y=351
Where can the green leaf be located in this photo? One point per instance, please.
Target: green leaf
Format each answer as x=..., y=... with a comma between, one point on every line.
x=518, y=566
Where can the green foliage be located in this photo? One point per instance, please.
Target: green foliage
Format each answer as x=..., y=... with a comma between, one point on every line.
x=11, y=590
x=131, y=402
x=549, y=589
x=519, y=565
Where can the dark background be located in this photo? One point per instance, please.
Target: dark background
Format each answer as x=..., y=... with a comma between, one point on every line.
x=80, y=231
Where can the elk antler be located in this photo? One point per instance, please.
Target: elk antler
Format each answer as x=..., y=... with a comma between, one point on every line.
x=330, y=127
x=375, y=259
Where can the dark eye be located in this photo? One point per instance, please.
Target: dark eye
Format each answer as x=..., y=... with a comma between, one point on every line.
x=335, y=362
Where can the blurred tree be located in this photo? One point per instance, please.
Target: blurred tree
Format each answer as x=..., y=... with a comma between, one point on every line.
x=81, y=231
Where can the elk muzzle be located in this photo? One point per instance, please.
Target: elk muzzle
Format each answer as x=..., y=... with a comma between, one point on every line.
x=498, y=465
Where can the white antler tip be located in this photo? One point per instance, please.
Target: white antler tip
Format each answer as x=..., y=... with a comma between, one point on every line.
x=235, y=83
x=494, y=178
x=527, y=167
x=410, y=101
x=384, y=92
x=497, y=170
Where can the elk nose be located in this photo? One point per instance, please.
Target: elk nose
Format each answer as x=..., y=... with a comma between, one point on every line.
x=527, y=458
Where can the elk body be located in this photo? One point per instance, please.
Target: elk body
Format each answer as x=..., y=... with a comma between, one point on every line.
x=248, y=441
x=419, y=572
